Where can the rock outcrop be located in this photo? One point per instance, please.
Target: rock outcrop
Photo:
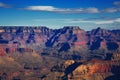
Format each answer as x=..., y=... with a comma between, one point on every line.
x=101, y=37
x=94, y=69
x=69, y=53
x=63, y=39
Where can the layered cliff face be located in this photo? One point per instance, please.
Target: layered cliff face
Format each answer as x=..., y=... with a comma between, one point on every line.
x=69, y=53
x=104, y=39
x=79, y=44
x=24, y=35
x=67, y=38
x=23, y=39
x=97, y=69
x=94, y=69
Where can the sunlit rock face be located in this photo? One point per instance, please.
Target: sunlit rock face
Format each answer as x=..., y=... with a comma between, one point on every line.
x=97, y=69
x=67, y=63
x=94, y=69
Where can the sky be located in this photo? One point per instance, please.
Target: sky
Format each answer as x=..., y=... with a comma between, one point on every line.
x=87, y=14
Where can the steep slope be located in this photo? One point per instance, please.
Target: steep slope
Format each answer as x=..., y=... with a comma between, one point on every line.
x=104, y=38
x=66, y=37
x=69, y=53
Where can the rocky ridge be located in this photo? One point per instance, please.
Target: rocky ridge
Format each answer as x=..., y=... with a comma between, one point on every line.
x=64, y=39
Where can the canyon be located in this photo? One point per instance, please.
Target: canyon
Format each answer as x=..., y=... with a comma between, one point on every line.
x=68, y=53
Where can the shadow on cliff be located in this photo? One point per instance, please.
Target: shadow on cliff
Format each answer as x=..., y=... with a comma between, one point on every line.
x=116, y=71
x=70, y=69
